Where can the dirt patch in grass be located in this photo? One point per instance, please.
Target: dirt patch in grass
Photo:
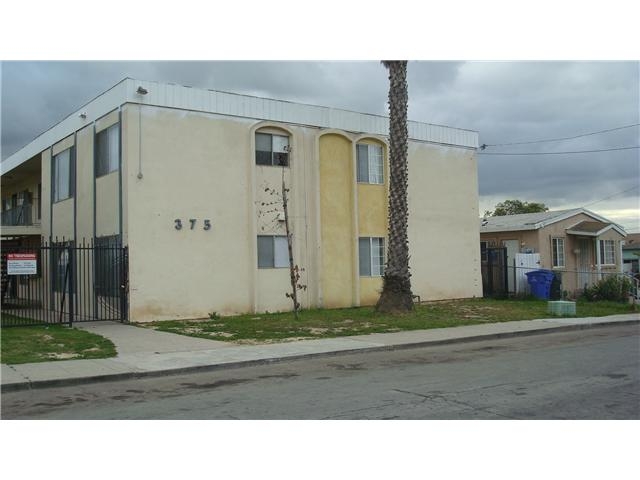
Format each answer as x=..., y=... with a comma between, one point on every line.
x=53, y=342
x=268, y=328
x=60, y=356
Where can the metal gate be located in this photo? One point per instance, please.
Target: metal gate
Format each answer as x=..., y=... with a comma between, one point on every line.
x=63, y=282
x=494, y=273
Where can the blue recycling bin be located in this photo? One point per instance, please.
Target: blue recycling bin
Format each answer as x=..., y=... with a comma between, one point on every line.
x=540, y=283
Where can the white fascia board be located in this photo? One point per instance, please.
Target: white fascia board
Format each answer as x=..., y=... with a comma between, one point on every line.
x=611, y=226
x=235, y=105
x=96, y=108
x=246, y=106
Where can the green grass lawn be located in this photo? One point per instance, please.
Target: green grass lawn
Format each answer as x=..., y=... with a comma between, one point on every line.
x=53, y=342
x=278, y=327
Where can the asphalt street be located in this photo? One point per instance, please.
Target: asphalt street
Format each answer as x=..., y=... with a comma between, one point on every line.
x=586, y=374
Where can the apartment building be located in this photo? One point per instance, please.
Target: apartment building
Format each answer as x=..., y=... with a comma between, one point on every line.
x=184, y=178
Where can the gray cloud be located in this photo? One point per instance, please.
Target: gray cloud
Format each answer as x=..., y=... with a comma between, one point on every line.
x=503, y=101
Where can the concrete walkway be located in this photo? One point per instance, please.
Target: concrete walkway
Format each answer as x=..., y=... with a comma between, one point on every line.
x=144, y=352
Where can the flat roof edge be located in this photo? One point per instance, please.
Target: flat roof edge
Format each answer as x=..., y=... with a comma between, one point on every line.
x=235, y=105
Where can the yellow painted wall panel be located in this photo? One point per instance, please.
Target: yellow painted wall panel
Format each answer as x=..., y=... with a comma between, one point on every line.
x=372, y=210
x=370, y=288
x=336, y=218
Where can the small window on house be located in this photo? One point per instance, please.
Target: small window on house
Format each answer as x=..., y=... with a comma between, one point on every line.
x=370, y=163
x=108, y=150
x=607, y=252
x=371, y=256
x=273, y=251
x=557, y=248
x=63, y=176
x=272, y=150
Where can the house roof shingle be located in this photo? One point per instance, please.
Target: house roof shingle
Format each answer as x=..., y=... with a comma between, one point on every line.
x=535, y=221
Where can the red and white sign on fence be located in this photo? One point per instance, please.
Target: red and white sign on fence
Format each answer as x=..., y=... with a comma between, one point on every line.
x=22, y=264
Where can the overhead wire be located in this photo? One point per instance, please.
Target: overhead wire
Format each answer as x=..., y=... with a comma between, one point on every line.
x=485, y=145
x=560, y=153
x=611, y=196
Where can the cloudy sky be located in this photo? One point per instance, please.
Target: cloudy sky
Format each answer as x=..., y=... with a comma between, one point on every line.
x=506, y=102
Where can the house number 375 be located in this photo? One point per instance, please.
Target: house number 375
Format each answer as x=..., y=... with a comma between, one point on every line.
x=192, y=223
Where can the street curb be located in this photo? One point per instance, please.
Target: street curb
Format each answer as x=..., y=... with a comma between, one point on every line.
x=64, y=382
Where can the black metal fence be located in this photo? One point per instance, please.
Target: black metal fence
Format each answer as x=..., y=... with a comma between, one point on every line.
x=63, y=282
x=494, y=273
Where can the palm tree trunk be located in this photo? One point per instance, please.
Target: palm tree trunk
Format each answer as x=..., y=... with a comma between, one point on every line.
x=396, y=296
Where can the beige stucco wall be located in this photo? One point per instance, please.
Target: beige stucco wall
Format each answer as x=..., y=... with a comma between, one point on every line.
x=63, y=145
x=193, y=166
x=201, y=166
x=63, y=220
x=272, y=284
x=107, y=198
x=444, y=239
x=84, y=184
x=108, y=204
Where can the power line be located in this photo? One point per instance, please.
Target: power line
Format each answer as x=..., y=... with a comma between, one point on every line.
x=485, y=145
x=559, y=153
x=611, y=196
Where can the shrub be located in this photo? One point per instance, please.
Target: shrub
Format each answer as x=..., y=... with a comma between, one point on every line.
x=614, y=288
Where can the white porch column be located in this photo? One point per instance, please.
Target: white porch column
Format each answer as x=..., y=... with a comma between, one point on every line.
x=620, y=259
x=598, y=265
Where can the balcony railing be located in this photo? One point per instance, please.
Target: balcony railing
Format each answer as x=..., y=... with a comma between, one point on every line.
x=18, y=216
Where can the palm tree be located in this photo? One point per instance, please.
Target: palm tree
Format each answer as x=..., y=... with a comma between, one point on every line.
x=396, y=296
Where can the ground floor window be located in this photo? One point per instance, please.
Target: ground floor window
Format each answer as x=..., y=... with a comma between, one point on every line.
x=371, y=256
x=557, y=248
x=273, y=251
x=607, y=252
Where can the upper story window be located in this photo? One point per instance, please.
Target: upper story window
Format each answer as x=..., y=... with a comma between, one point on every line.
x=557, y=252
x=607, y=252
x=108, y=150
x=370, y=163
x=63, y=176
x=272, y=149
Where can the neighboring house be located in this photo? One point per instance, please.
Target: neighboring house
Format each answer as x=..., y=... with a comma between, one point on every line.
x=578, y=244
x=180, y=176
x=631, y=254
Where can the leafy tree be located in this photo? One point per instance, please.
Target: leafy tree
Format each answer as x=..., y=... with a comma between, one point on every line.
x=396, y=296
x=515, y=207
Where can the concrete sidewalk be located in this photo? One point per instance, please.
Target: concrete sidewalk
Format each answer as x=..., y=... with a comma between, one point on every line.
x=144, y=352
